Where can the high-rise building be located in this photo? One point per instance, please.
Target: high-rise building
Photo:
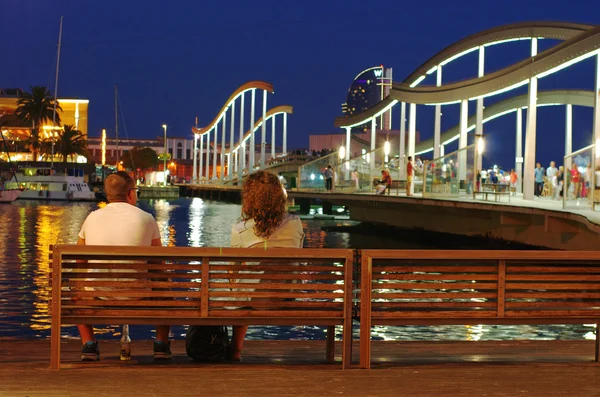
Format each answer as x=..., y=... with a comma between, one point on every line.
x=368, y=88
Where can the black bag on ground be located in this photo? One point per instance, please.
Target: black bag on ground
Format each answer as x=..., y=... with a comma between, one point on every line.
x=207, y=343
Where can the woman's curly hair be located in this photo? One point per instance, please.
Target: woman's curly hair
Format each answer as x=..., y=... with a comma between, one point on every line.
x=264, y=201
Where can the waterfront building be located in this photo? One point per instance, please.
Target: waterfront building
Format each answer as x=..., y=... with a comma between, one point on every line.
x=368, y=88
x=74, y=112
x=360, y=141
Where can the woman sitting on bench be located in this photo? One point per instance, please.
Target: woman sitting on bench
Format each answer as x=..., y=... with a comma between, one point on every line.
x=264, y=223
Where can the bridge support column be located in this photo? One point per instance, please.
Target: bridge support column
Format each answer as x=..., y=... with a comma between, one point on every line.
x=597, y=103
x=207, y=162
x=412, y=132
x=569, y=130
x=519, y=151
x=530, y=133
x=479, y=113
x=252, y=143
x=194, y=158
x=215, y=148
x=304, y=204
x=402, y=149
x=348, y=147
x=273, y=123
x=222, y=173
x=327, y=208
x=437, y=129
x=200, y=158
x=263, y=132
x=240, y=152
x=284, y=152
x=462, y=141
x=230, y=167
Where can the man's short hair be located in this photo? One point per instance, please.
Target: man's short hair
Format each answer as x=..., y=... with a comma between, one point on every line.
x=117, y=186
x=409, y=158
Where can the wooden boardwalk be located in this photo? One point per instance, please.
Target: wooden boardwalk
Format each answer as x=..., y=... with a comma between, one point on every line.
x=297, y=368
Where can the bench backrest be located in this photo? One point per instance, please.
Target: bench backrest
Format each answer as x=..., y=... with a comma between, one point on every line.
x=404, y=284
x=173, y=282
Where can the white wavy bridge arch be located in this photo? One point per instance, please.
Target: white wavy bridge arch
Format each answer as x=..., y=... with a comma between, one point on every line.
x=580, y=42
x=231, y=156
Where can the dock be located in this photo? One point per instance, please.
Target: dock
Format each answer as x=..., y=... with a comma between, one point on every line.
x=298, y=368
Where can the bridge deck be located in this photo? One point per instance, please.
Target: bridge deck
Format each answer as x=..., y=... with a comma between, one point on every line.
x=516, y=201
x=484, y=368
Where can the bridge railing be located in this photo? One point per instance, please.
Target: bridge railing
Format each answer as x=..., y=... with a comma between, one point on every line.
x=450, y=175
x=578, y=182
x=359, y=173
x=311, y=175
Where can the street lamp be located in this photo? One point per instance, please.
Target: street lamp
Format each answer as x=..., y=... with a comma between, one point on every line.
x=164, y=126
x=342, y=153
x=386, y=152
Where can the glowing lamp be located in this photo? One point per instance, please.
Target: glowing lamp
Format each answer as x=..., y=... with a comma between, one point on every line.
x=312, y=177
x=386, y=148
x=480, y=145
x=342, y=152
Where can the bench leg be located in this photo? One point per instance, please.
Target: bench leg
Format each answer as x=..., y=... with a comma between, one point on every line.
x=330, y=351
x=55, y=343
x=597, y=355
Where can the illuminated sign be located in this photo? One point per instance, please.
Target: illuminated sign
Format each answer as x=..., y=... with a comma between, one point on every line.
x=378, y=73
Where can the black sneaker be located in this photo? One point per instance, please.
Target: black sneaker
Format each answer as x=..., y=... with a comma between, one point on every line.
x=90, y=352
x=162, y=350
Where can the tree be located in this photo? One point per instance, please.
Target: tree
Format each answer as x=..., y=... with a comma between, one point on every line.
x=70, y=142
x=37, y=108
x=142, y=158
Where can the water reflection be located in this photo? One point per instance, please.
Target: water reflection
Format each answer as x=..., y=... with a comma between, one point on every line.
x=27, y=229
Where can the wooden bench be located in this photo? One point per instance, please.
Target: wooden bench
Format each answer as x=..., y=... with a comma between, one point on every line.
x=495, y=189
x=477, y=287
x=202, y=286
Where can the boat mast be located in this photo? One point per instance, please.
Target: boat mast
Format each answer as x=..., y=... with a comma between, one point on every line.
x=56, y=90
x=117, y=127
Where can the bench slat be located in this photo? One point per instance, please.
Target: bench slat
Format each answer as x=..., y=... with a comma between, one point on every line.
x=552, y=295
x=553, y=277
x=434, y=286
x=551, y=268
x=435, y=314
x=554, y=304
x=193, y=320
x=274, y=286
x=437, y=295
x=438, y=268
x=552, y=286
x=446, y=277
x=432, y=305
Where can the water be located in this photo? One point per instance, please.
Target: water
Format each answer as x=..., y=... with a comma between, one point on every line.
x=28, y=228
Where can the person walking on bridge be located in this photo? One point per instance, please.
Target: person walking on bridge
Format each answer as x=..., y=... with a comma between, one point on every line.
x=329, y=178
x=409, y=175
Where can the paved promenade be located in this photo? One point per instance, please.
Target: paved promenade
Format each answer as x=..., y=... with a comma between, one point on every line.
x=296, y=368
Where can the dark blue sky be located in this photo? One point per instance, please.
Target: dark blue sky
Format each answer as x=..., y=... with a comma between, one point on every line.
x=177, y=60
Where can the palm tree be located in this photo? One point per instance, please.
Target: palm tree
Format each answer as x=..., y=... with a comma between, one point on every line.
x=71, y=141
x=37, y=108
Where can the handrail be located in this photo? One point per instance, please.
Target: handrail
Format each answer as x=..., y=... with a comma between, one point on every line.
x=507, y=106
x=282, y=109
x=549, y=30
x=575, y=49
x=249, y=86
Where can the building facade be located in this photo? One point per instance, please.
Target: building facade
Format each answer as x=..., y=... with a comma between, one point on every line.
x=367, y=89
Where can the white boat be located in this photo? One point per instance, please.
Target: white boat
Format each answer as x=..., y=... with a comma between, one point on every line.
x=8, y=196
x=38, y=183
